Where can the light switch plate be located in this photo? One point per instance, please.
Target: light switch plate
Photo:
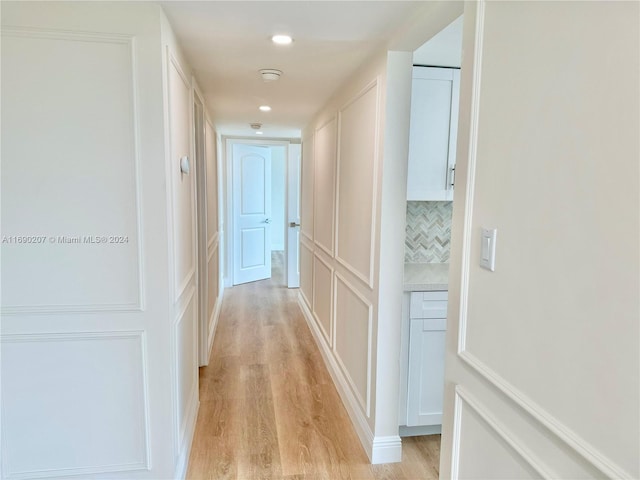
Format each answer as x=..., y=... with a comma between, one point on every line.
x=488, y=249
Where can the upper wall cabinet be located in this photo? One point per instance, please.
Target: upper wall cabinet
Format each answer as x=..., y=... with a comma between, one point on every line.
x=433, y=132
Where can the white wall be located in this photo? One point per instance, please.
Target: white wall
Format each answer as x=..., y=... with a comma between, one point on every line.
x=543, y=356
x=99, y=351
x=354, y=171
x=278, y=190
x=85, y=371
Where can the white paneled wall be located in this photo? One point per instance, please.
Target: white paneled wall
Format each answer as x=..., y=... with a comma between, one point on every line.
x=543, y=359
x=325, y=185
x=214, y=273
x=341, y=222
x=99, y=333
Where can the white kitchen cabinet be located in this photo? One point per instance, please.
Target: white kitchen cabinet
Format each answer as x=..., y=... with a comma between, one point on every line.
x=433, y=133
x=425, y=367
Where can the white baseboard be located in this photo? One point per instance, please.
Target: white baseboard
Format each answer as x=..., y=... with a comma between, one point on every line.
x=378, y=449
x=386, y=449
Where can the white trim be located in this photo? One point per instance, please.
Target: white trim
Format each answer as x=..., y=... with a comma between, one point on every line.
x=201, y=216
x=368, y=280
x=349, y=401
x=467, y=232
x=364, y=403
x=584, y=449
x=329, y=336
x=524, y=453
x=182, y=465
x=212, y=248
x=329, y=250
x=180, y=285
x=455, y=441
x=386, y=449
x=304, y=295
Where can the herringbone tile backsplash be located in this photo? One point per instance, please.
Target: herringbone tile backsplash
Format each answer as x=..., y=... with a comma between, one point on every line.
x=428, y=237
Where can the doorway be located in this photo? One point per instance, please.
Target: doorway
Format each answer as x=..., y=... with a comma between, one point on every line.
x=262, y=210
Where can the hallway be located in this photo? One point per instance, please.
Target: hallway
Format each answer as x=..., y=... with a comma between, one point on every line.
x=268, y=407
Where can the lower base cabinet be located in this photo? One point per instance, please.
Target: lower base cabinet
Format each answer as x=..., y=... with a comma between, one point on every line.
x=424, y=356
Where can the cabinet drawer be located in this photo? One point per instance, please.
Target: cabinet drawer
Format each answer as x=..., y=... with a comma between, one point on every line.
x=428, y=305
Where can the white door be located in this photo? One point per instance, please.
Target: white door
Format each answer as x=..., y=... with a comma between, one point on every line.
x=293, y=215
x=251, y=213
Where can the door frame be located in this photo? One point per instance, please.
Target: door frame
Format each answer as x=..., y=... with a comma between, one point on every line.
x=228, y=143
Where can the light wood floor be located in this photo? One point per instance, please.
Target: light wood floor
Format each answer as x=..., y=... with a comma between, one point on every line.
x=268, y=407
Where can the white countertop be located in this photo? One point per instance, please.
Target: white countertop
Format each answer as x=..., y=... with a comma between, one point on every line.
x=425, y=277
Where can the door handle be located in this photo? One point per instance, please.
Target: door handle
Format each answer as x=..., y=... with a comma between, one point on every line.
x=294, y=224
x=268, y=220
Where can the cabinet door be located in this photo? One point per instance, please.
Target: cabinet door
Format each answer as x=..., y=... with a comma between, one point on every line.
x=433, y=133
x=426, y=371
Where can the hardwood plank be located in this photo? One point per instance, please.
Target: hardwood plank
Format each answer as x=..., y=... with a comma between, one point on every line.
x=268, y=406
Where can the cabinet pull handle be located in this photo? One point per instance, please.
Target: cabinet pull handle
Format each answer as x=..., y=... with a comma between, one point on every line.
x=452, y=176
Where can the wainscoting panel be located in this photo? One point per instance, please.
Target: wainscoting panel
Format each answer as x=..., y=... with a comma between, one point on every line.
x=353, y=321
x=72, y=241
x=183, y=190
x=306, y=272
x=323, y=297
x=89, y=388
x=357, y=183
x=488, y=451
x=307, y=191
x=325, y=191
x=187, y=363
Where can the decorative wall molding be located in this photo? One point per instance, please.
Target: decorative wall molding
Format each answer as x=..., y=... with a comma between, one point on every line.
x=214, y=238
x=471, y=176
x=212, y=248
x=127, y=41
x=143, y=463
x=365, y=403
x=175, y=381
x=328, y=249
x=576, y=443
x=328, y=336
x=585, y=450
x=72, y=35
x=309, y=302
x=182, y=464
x=180, y=284
x=368, y=279
x=350, y=402
x=465, y=398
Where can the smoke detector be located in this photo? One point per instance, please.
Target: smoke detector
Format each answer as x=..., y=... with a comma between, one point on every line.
x=256, y=126
x=270, y=74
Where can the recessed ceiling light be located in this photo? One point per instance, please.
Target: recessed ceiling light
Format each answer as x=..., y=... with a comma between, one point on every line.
x=258, y=133
x=282, y=39
x=265, y=108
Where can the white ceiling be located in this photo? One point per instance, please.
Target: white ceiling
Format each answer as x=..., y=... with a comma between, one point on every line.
x=226, y=43
x=444, y=49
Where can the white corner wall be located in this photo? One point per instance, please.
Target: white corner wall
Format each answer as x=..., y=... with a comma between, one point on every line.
x=99, y=351
x=352, y=157
x=543, y=361
x=85, y=365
